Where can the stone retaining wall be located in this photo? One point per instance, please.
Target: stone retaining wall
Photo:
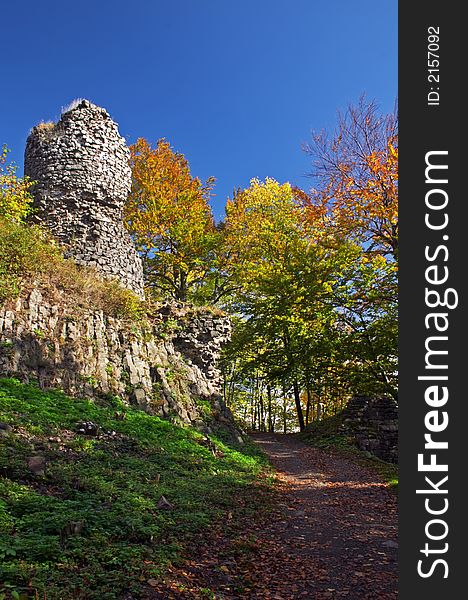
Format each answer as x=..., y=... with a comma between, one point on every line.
x=167, y=366
x=373, y=422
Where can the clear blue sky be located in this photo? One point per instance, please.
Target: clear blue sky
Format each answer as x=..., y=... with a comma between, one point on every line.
x=236, y=86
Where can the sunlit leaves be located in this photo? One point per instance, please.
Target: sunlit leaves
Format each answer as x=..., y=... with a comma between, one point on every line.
x=357, y=173
x=15, y=196
x=264, y=227
x=170, y=219
x=316, y=273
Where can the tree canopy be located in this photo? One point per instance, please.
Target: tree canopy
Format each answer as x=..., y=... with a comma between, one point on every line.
x=170, y=219
x=356, y=169
x=309, y=277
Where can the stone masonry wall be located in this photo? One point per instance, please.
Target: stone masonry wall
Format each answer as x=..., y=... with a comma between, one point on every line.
x=81, y=166
x=167, y=367
x=373, y=422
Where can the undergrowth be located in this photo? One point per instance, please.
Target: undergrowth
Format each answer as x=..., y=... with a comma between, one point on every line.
x=89, y=525
x=29, y=258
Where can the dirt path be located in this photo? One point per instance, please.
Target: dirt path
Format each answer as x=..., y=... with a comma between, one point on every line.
x=338, y=519
x=331, y=535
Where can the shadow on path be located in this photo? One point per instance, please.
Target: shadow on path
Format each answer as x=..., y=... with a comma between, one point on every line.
x=339, y=520
x=327, y=533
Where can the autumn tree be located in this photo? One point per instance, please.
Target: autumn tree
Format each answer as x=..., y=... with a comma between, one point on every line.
x=365, y=302
x=317, y=310
x=169, y=217
x=356, y=195
x=355, y=168
x=283, y=276
x=15, y=196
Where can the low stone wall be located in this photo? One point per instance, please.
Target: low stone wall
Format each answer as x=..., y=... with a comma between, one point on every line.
x=373, y=422
x=167, y=366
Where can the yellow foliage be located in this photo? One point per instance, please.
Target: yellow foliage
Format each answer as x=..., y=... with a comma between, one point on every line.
x=263, y=221
x=15, y=196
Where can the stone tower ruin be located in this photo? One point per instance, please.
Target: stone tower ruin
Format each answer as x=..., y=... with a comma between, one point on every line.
x=82, y=174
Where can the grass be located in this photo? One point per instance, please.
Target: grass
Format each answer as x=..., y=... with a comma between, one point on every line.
x=89, y=526
x=30, y=258
x=46, y=129
x=327, y=434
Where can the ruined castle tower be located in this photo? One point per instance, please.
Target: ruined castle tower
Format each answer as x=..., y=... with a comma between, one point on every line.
x=83, y=177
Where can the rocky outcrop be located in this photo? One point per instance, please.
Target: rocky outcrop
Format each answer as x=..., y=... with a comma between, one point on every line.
x=166, y=366
x=82, y=174
x=373, y=423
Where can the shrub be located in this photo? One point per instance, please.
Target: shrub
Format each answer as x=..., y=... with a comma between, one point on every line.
x=24, y=252
x=29, y=257
x=15, y=197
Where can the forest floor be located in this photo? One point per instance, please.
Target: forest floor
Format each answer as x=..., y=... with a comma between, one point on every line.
x=329, y=531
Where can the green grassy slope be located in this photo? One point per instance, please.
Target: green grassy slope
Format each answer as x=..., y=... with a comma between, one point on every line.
x=89, y=526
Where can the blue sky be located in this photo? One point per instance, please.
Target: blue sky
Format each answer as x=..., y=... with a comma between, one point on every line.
x=236, y=86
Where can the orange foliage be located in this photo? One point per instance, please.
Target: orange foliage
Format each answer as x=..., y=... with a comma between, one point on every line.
x=169, y=216
x=358, y=170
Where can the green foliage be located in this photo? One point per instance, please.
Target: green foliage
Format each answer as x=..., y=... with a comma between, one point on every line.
x=365, y=298
x=90, y=527
x=313, y=279
x=25, y=252
x=317, y=310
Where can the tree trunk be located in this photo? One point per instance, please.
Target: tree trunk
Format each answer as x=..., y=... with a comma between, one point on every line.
x=261, y=406
x=297, y=400
x=231, y=386
x=182, y=289
x=270, y=420
x=308, y=406
x=252, y=409
x=285, y=406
